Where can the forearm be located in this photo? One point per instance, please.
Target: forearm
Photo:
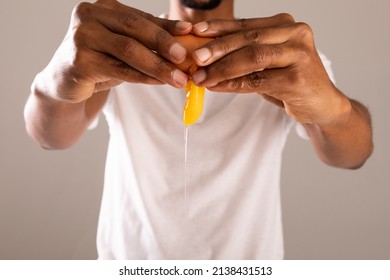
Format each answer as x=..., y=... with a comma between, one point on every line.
x=347, y=142
x=51, y=123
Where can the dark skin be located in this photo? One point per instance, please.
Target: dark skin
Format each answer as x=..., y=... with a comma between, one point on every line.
x=275, y=57
x=72, y=89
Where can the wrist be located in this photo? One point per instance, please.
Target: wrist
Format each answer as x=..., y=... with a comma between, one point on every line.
x=338, y=111
x=43, y=91
x=337, y=118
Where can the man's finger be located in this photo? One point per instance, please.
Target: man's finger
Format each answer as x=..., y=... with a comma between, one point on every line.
x=174, y=27
x=111, y=68
x=223, y=46
x=135, y=25
x=275, y=83
x=220, y=27
x=139, y=57
x=245, y=61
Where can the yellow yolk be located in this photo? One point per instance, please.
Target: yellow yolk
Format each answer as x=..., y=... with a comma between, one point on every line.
x=194, y=95
x=193, y=106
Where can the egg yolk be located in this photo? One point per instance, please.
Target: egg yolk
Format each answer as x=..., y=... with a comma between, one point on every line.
x=193, y=105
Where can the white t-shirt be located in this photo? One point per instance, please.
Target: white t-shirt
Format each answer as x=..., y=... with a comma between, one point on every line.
x=233, y=177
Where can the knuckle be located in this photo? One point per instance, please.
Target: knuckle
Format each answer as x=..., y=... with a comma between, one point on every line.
x=79, y=34
x=162, y=37
x=256, y=80
x=160, y=66
x=141, y=77
x=285, y=18
x=304, y=38
x=253, y=35
x=129, y=21
x=304, y=30
x=237, y=84
x=148, y=16
x=169, y=25
x=257, y=55
x=274, y=52
x=81, y=26
x=262, y=57
x=243, y=23
x=250, y=82
x=220, y=45
x=223, y=68
x=126, y=47
x=121, y=68
x=304, y=52
x=107, y=3
x=82, y=11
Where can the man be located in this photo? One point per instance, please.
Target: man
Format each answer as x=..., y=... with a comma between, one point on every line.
x=263, y=75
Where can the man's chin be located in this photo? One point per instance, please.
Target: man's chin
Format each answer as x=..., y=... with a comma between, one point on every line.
x=201, y=5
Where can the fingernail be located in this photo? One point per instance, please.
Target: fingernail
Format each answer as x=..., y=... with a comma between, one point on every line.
x=203, y=54
x=201, y=26
x=179, y=77
x=178, y=52
x=199, y=76
x=183, y=25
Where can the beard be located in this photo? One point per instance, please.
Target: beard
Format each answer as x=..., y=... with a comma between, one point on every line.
x=201, y=5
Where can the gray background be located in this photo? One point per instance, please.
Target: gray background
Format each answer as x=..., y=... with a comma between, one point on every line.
x=49, y=200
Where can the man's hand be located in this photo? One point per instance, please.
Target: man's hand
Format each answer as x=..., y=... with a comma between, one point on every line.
x=108, y=43
x=273, y=56
x=277, y=58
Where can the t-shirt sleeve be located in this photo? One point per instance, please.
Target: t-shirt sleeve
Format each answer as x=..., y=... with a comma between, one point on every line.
x=94, y=123
x=299, y=128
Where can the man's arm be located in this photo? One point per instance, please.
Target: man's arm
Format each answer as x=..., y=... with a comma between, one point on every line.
x=277, y=58
x=55, y=124
x=347, y=142
x=107, y=43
